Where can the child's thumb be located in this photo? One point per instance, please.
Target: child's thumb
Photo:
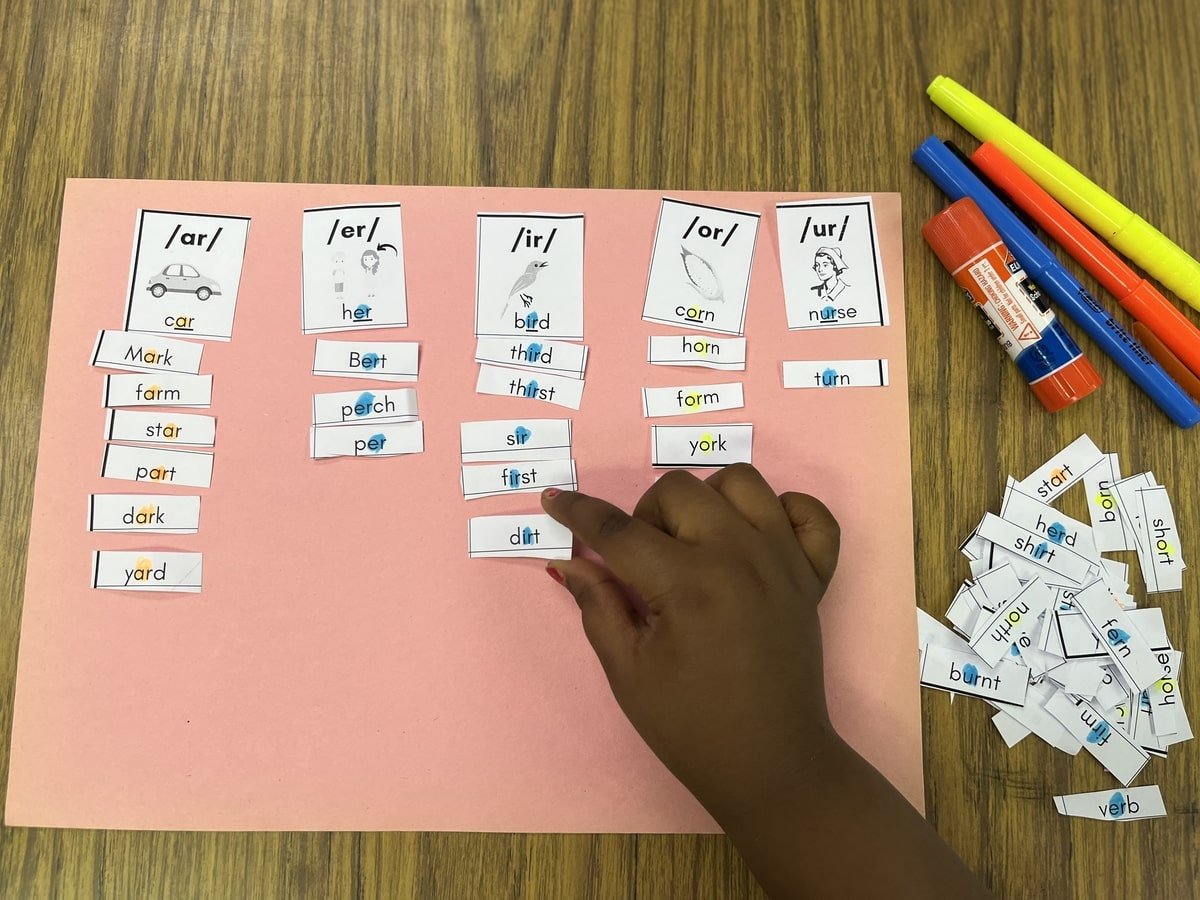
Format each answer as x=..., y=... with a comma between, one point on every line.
x=608, y=620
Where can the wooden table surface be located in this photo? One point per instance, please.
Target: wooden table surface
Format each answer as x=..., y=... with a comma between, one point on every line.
x=734, y=95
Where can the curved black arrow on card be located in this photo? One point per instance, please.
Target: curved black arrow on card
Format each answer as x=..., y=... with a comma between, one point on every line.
x=387, y=247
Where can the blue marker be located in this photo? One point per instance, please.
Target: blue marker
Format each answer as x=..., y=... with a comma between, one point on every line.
x=957, y=181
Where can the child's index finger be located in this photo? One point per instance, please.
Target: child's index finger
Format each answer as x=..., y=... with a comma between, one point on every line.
x=636, y=551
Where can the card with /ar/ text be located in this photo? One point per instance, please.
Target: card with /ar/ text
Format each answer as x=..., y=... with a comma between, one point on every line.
x=150, y=513
x=700, y=446
x=829, y=257
x=503, y=382
x=354, y=407
x=555, y=357
x=134, y=352
x=529, y=275
x=353, y=268
x=373, y=439
x=697, y=350
x=834, y=373
x=158, y=389
x=185, y=272
x=153, y=427
x=515, y=440
x=689, y=399
x=157, y=465
x=700, y=267
x=518, y=478
x=379, y=360
x=534, y=535
x=147, y=570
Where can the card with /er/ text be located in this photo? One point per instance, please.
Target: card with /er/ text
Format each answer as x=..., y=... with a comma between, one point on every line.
x=353, y=268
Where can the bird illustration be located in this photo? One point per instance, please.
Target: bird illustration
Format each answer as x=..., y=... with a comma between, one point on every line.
x=521, y=285
x=702, y=277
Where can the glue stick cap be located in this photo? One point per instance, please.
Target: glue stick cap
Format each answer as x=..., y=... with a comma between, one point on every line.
x=1066, y=385
x=960, y=233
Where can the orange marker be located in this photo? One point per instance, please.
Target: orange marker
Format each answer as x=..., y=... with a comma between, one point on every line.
x=1167, y=360
x=1135, y=294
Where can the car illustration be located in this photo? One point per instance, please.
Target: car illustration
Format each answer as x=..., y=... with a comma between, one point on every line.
x=182, y=279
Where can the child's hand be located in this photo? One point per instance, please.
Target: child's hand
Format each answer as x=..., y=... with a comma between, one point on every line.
x=704, y=616
x=720, y=671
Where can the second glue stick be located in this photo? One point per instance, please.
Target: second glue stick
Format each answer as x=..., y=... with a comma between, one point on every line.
x=969, y=247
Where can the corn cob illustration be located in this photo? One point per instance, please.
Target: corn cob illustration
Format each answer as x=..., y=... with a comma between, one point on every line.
x=701, y=275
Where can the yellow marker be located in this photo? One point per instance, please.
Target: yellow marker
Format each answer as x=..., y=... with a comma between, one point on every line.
x=142, y=569
x=1107, y=216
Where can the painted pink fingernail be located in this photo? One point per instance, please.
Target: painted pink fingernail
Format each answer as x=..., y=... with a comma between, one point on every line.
x=551, y=493
x=555, y=574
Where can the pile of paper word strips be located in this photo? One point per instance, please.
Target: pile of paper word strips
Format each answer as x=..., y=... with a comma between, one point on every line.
x=1046, y=632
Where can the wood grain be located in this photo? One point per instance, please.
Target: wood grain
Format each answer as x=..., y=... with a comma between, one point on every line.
x=733, y=95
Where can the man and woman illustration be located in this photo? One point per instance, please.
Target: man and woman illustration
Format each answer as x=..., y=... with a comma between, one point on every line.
x=370, y=265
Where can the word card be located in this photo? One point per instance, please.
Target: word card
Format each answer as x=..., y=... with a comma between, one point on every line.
x=830, y=259
x=963, y=673
x=352, y=407
x=504, y=382
x=374, y=439
x=148, y=427
x=1128, y=805
x=134, y=352
x=518, y=478
x=698, y=351
x=835, y=373
x=158, y=390
x=1062, y=470
x=555, y=357
x=700, y=446
x=700, y=267
x=1107, y=524
x=192, y=468
x=185, y=272
x=504, y=440
x=535, y=535
x=379, y=360
x=689, y=399
x=353, y=261
x=147, y=570
x=150, y=513
x=529, y=275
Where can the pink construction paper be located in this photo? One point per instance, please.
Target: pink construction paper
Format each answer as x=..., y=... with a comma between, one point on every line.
x=346, y=667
